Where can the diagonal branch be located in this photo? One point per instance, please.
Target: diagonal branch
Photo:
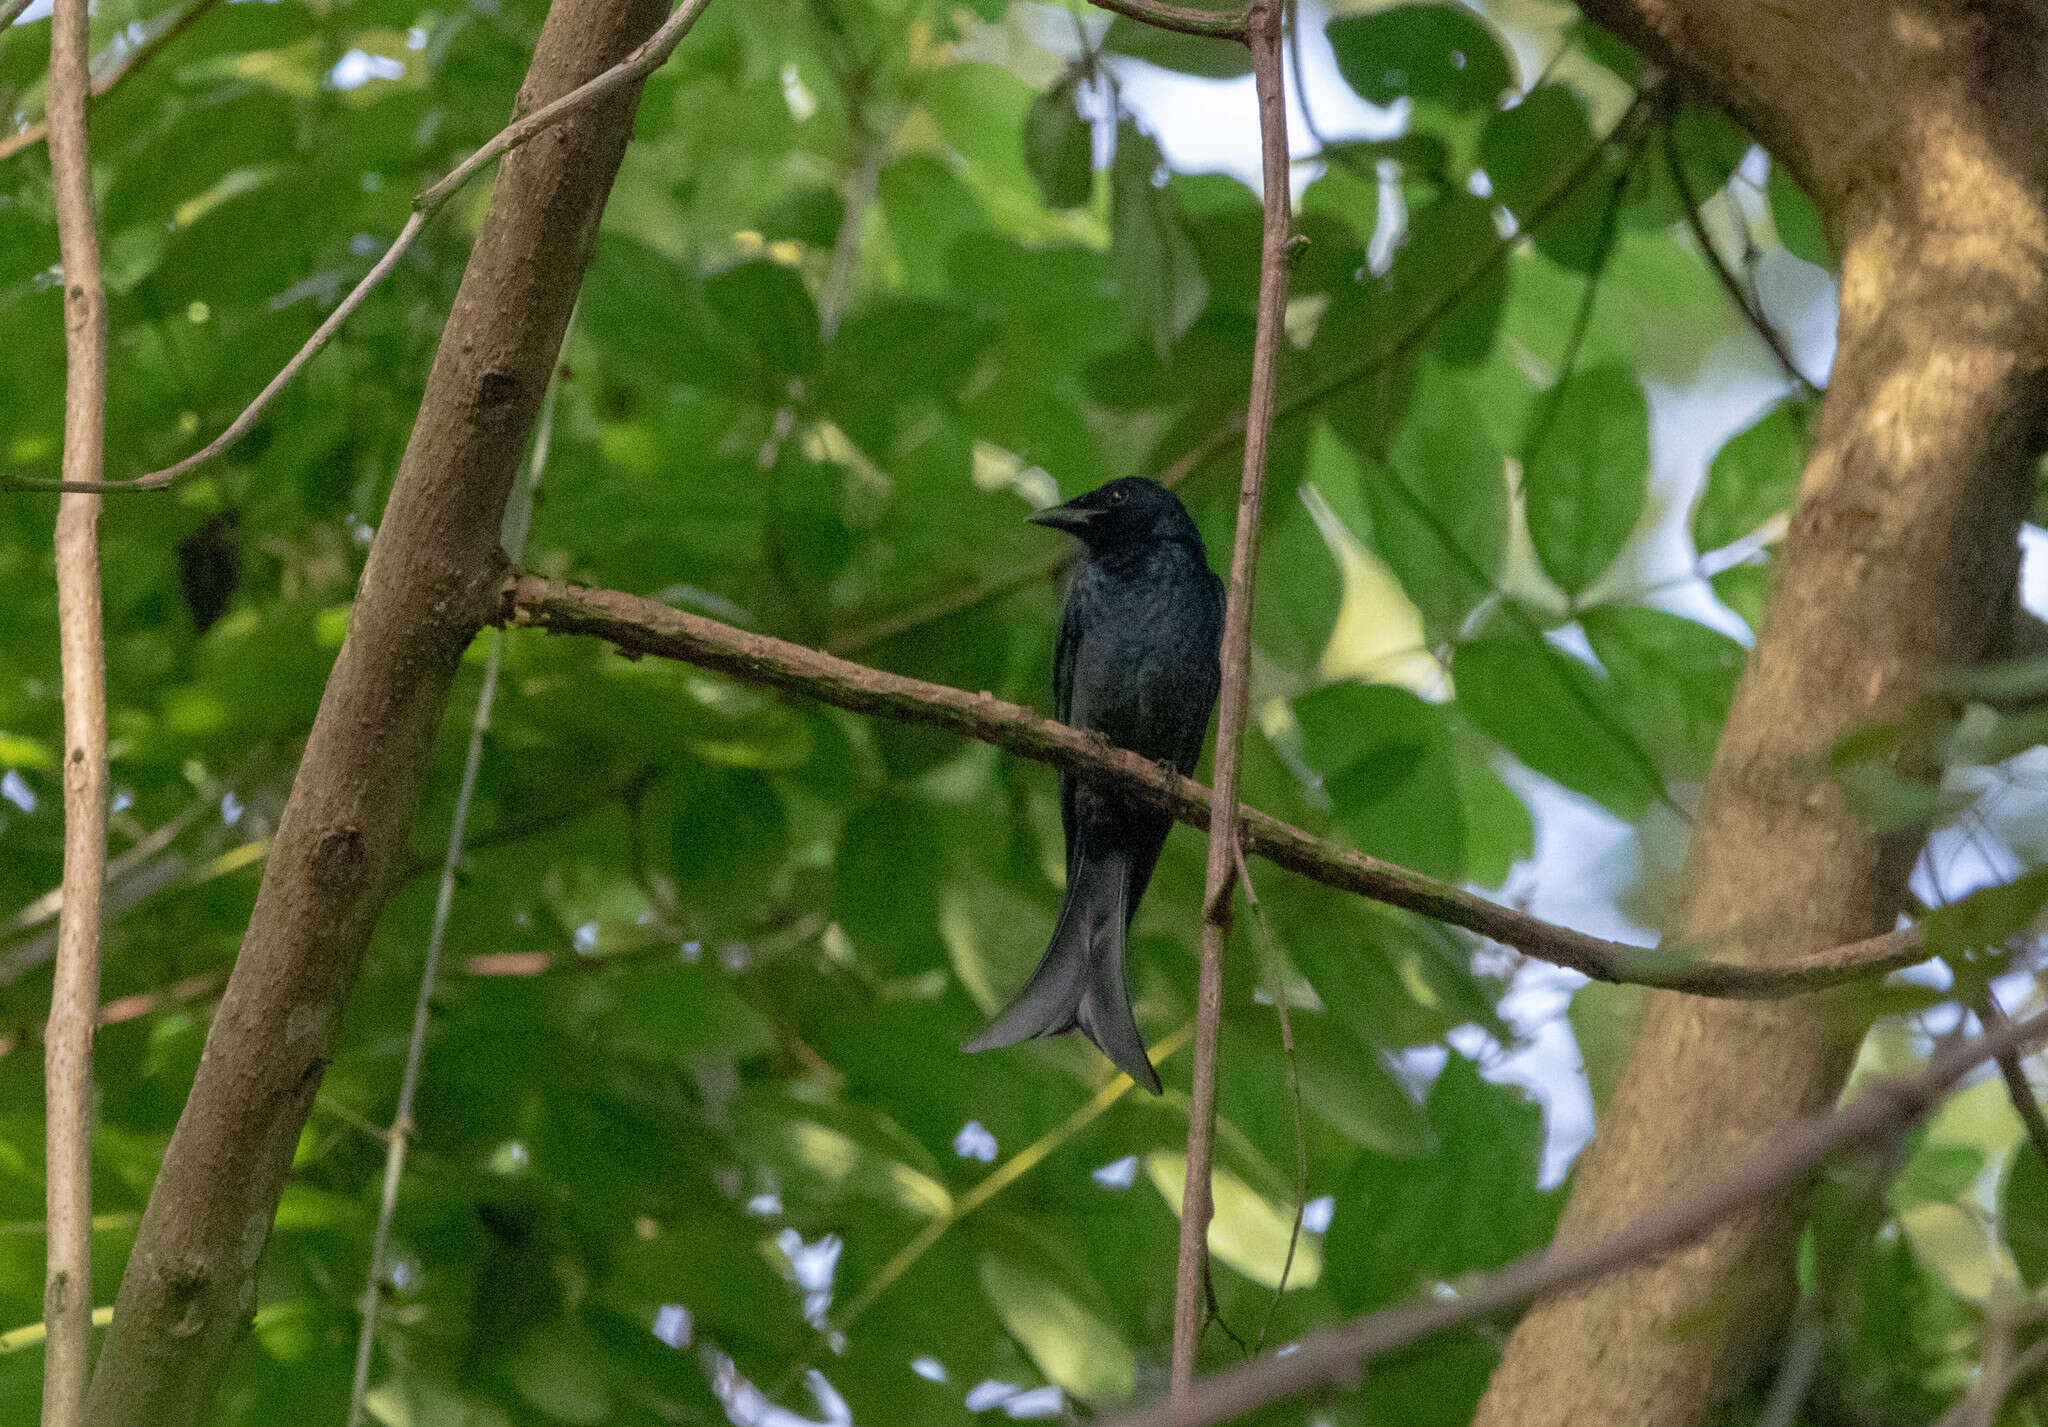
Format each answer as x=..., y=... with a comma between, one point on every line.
x=642, y=62
x=1751, y=313
x=1191, y=1279
x=81, y=637
x=518, y=521
x=427, y=588
x=1182, y=19
x=638, y=626
x=36, y=133
x=1335, y=1355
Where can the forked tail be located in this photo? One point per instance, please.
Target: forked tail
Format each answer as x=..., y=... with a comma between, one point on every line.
x=1079, y=983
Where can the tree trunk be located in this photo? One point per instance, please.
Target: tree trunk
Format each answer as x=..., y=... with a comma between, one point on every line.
x=431, y=582
x=1922, y=132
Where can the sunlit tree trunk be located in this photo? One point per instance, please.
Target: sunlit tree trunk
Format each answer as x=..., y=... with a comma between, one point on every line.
x=1922, y=133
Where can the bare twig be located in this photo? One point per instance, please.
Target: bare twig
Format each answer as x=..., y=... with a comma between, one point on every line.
x=1335, y=1355
x=1277, y=965
x=1183, y=19
x=1751, y=314
x=1262, y=34
x=639, y=626
x=518, y=519
x=427, y=590
x=147, y=847
x=35, y=134
x=1001, y=1178
x=74, y=995
x=2017, y=1086
x=631, y=70
x=11, y=12
x=1582, y=321
x=2000, y=1371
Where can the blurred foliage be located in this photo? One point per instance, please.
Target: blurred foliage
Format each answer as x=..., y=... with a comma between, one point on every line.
x=692, y=1085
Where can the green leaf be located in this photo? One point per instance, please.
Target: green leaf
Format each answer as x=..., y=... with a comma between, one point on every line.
x=1586, y=484
x=1439, y=507
x=768, y=316
x=1386, y=761
x=1297, y=608
x=1603, y=1016
x=1550, y=711
x=1470, y=1206
x=1442, y=53
x=1753, y=477
x=1059, y=146
x=1156, y=262
x=1744, y=588
x=1526, y=151
x=1170, y=49
x=1248, y=1231
x=2023, y=1212
x=1988, y=916
x=1071, y=1345
x=1672, y=680
x=1797, y=221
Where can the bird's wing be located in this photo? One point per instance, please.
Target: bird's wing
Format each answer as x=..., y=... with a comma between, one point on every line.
x=1190, y=751
x=1064, y=651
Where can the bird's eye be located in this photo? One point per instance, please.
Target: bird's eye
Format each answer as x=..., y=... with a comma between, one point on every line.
x=1117, y=497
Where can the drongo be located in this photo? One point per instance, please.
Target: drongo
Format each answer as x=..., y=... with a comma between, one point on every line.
x=1137, y=663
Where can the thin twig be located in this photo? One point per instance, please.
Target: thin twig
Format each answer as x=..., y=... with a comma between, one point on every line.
x=1183, y=19
x=1711, y=255
x=45, y=908
x=34, y=134
x=518, y=519
x=644, y=60
x=639, y=626
x=1262, y=34
x=1334, y=1356
x=75, y=992
x=1277, y=965
x=11, y=12
x=1001, y=1178
x=2018, y=1088
x=1582, y=321
x=859, y=197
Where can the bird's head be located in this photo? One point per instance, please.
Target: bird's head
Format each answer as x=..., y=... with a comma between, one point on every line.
x=1124, y=512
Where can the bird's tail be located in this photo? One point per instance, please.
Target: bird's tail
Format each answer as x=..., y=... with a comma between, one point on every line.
x=1079, y=983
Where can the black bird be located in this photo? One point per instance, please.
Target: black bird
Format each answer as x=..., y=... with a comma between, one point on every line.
x=210, y=567
x=1137, y=663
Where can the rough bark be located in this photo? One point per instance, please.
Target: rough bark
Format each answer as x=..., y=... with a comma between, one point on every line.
x=1922, y=132
x=430, y=584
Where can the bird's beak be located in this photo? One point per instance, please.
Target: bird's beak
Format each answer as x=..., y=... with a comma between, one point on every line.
x=1070, y=518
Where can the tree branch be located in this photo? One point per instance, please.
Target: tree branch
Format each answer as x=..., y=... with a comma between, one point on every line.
x=1751, y=314
x=74, y=994
x=1191, y=1278
x=36, y=133
x=638, y=626
x=2017, y=1087
x=1183, y=19
x=1334, y=1355
x=644, y=60
x=430, y=582
x=518, y=521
